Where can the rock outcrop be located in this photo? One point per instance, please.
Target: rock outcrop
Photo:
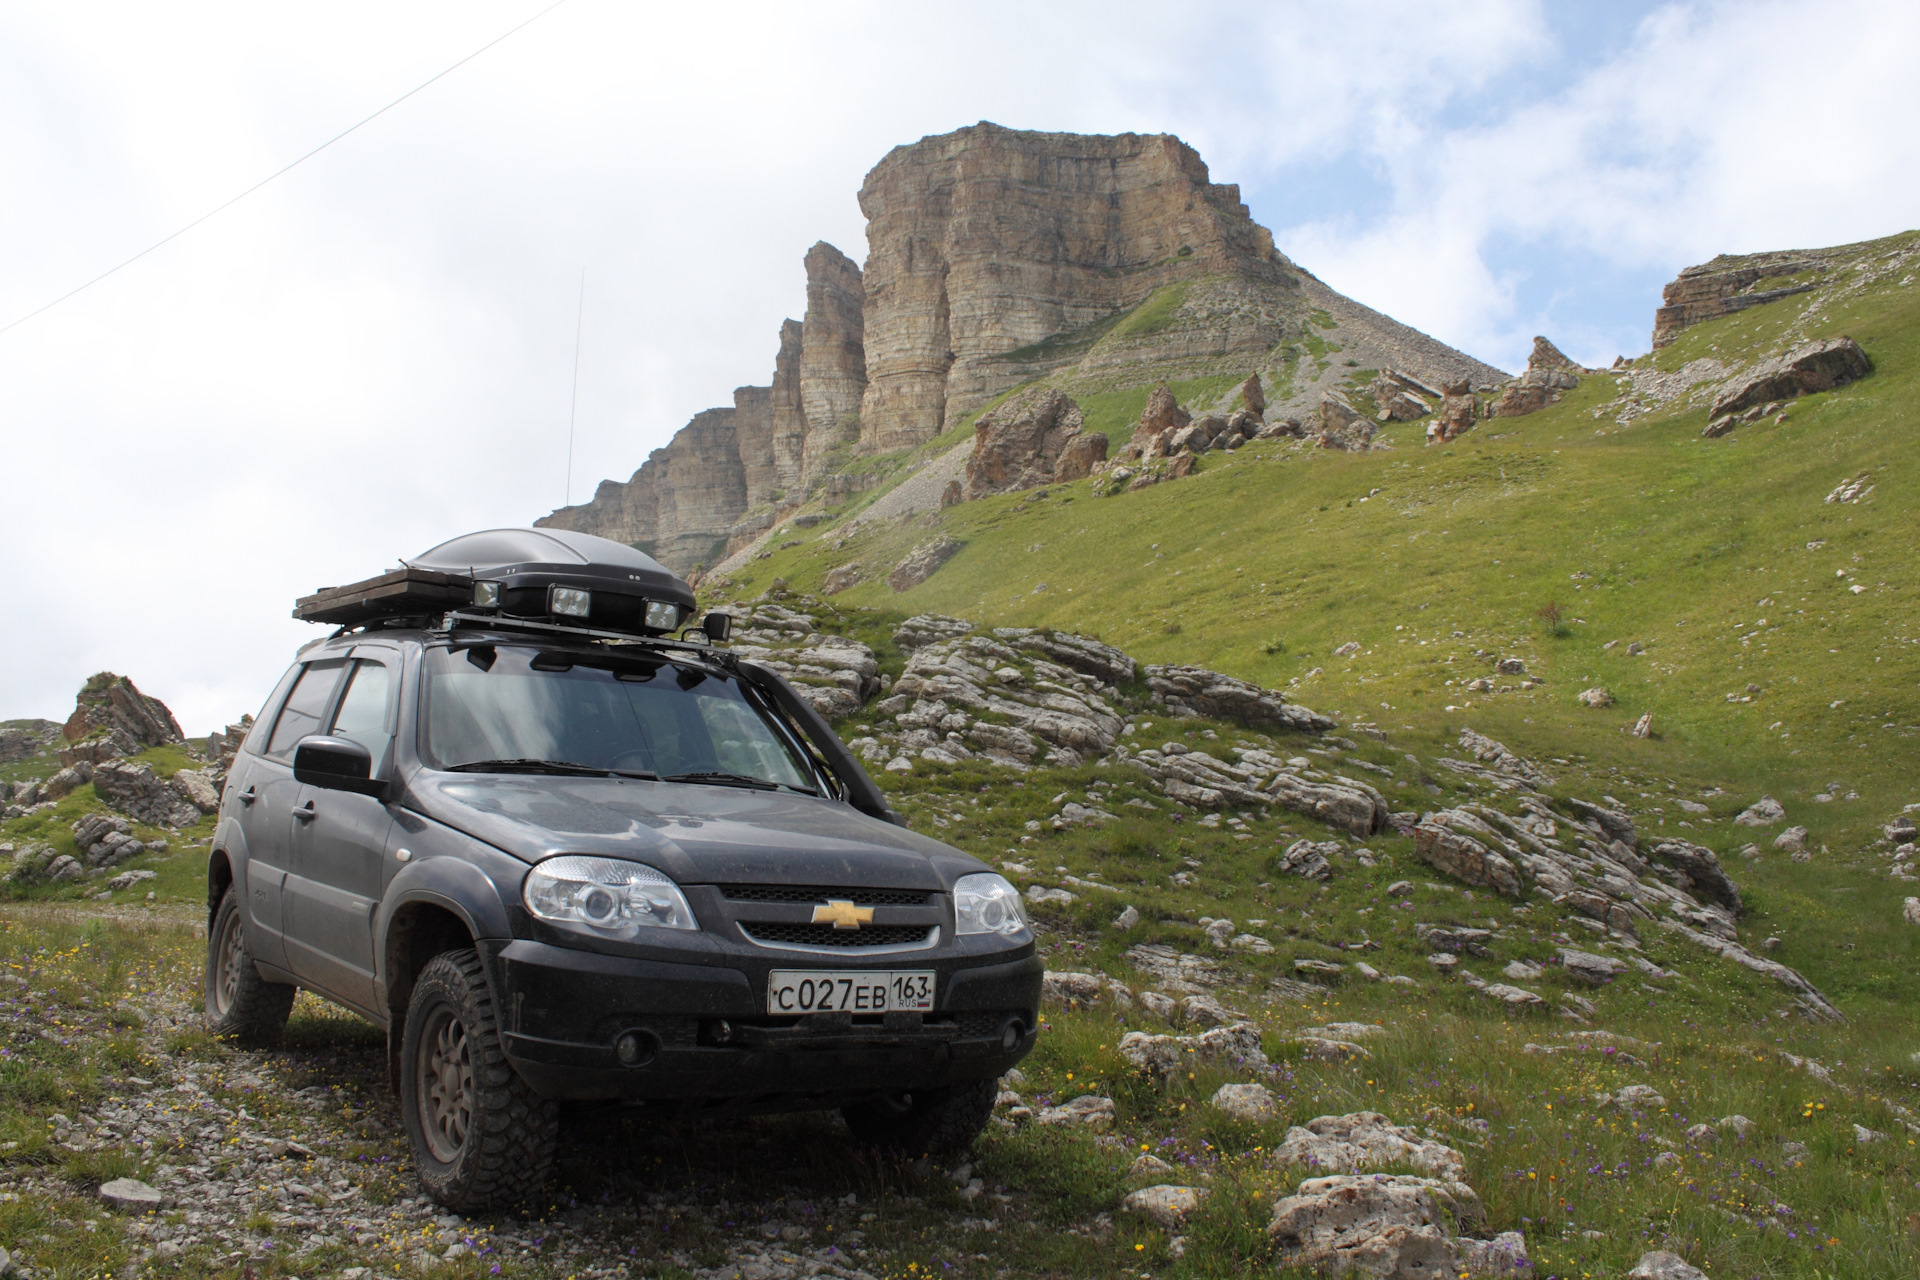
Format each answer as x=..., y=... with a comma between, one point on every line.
x=1342, y=426
x=921, y=563
x=110, y=711
x=1034, y=439
x=1459, y=411
x=1733, y=282
x=1161, y=418
x=1816, y=366
x=730, y=473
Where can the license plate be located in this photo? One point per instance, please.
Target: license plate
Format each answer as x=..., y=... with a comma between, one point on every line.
x=866, y=991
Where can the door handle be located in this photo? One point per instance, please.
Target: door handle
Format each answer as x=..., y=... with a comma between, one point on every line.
x=247, y=797
x=304, y=812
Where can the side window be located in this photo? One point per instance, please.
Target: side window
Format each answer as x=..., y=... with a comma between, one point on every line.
x=257, y=740
x=363, y=711
x=305, y=705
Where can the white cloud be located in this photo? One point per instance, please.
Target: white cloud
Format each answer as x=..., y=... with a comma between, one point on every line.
x=374, y=353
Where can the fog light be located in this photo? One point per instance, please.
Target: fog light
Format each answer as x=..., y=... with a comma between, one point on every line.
x=486, y=595
x=634, y=1048
x=1010, y=1036
x=722, y=1031
x=569, y=602
x=662, y=615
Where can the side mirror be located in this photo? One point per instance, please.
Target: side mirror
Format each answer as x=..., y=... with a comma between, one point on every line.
x=337, y=764
x=718, y=627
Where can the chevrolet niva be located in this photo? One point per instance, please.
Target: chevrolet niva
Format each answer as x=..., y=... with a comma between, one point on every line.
x=523, y=813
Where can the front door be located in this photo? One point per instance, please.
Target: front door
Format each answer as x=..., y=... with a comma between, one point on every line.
x=339, y=848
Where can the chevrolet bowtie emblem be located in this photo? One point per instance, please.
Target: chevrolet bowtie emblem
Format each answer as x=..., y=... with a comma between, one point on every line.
x=842, y=914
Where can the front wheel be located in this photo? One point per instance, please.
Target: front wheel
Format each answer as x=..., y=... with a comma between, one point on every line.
x=481, y=1138
x=924, y=1121
x=241, y=1005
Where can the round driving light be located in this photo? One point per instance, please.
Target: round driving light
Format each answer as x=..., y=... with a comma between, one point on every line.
x=634, y=1048
x=1010, y=1035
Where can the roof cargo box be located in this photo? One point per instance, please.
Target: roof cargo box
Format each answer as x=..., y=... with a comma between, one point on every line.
x=544, y=575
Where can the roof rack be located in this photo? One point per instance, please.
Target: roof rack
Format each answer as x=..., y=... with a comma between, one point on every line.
x=405, y=591
x=495, y=622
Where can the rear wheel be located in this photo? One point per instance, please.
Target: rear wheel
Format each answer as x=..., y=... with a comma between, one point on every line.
x=924, y=1121
x=481, y=1138
x=241, y=1005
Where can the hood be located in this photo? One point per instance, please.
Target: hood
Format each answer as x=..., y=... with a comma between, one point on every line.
x=696, y=833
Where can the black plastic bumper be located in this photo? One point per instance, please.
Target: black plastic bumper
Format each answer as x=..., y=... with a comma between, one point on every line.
x=584, y=1025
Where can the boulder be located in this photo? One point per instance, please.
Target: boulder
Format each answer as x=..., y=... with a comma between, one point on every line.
x=1342, y=426
x=66, y=781
x=1366, y=1140
x=109, y=706
x=1250, y=1102
x=1700, y=872
x=921, y=562
x=1236, y=1045
x=1071, y=988
x=1034, y=439
x=1589, y=968
x=197, y=788
x=140, y=793
x=953, y=495
x=104, y=840
x=841, y=578
x=926, y=628
x=1085, y=1112
x=1817, y=366
x=1663, y=1265
x=1158, y=421
x=1386, y=1227
x=1763, y=812
x=1910, y=910
x=1595, y=697
x=129, y=1195
x=1461, y=855
x=1459, y=411
x=1167, y=1206
x=1611, y=823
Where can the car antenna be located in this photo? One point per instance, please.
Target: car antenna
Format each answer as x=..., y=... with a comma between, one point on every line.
x=573, y=401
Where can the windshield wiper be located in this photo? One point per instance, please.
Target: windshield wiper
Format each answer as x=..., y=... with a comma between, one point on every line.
x=720, y=777
x=563, y=767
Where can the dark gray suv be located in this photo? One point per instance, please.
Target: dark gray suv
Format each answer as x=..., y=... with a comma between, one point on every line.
x=559, y=854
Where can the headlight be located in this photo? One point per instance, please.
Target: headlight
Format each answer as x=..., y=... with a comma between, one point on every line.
x=986, y=903
x=613, y=897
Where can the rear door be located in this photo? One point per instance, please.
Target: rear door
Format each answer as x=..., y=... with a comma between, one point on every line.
x=339, y=845
x=268, y=795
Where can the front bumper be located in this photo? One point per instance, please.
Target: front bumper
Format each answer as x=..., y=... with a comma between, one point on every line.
x=702, y=1034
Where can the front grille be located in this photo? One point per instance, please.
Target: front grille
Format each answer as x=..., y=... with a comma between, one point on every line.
x=825, y=935
x=803, y=893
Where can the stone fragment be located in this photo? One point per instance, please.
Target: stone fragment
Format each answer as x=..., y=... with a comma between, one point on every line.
x=1365, y=1140
x=1792, y=840
x=1147, y=1166
x=928, y=628
x=1128, y=917
x=1910, y=910
x=842, y=578
x=1086, y=1112
x=1168, y=1206
x=1663, y=1265
x=1816, y=366
x=1639, y=1095
x=1591, y=969
x=1390, y=1227
x=1521, y=971
x=1595, y=697
x=1250, y=1102
x=129, y=1195
x=921, y=563
x=1305, y=859
x=197, y=789
x=1071, y=988
x=1763, y=812
x=1643, y=727
x=1511, y=996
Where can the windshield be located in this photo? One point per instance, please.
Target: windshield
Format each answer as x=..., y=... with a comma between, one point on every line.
x=641, y=714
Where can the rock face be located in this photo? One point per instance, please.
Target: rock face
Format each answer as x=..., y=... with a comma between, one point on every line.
x=833, y=358
x=1032, y=440
x=988, y=240
x=137, y=791
x=26, y=738
x=1817, y=366
x=837, y=675
x=110, y=708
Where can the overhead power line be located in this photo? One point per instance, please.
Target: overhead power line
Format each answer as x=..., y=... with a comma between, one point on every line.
x=283, y=169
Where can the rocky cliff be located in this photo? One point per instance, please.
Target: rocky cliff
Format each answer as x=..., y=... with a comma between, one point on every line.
x=998, y=258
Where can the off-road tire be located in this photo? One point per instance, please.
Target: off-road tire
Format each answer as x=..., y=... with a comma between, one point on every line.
x=924, y=1121
x=242, y=1006
x=482, y=1139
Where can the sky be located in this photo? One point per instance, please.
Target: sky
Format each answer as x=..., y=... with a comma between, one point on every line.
x=376, y=350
